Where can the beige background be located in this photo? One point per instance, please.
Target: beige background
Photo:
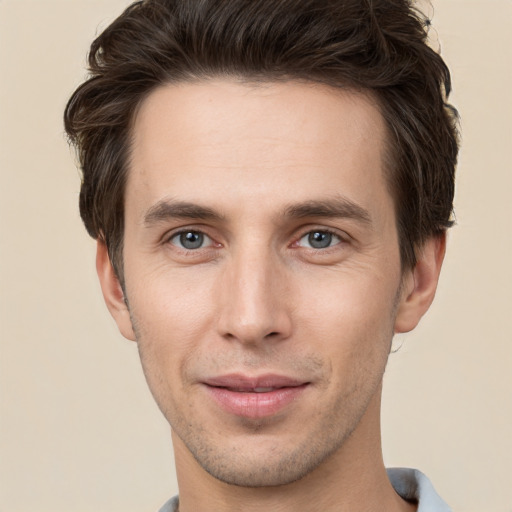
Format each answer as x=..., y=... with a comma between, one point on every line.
x=78, y=429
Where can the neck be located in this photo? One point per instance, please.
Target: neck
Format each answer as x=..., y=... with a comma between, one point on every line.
x=352, y=479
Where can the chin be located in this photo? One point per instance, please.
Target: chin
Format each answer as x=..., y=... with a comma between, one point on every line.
x=270, y=466
x=263, y=475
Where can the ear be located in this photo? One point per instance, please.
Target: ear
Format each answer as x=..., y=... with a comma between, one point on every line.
x=420, y=284
x=112, y=292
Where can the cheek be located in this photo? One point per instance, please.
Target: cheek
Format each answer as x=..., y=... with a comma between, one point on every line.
x=351, y=319
x=170, y=316
x=171, y=303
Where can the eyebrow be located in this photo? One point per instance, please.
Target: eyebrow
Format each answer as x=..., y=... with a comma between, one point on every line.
x=167, y=209
x=339, y=207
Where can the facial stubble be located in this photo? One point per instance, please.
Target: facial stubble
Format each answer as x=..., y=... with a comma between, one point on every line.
x=272, y=466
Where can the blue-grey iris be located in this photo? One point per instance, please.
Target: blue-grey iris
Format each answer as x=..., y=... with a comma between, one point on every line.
x=319, y=239
x=191, y=240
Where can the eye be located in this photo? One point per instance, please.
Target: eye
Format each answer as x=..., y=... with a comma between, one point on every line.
x=319, y=239
x=190, y=240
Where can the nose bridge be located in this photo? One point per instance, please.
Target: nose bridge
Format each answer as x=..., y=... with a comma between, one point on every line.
x=253, y=305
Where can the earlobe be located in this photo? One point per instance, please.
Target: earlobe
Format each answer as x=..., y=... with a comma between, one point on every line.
x=112, y=292
x=420, y=284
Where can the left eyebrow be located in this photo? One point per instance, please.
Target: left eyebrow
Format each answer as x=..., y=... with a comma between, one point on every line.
x=339, y=207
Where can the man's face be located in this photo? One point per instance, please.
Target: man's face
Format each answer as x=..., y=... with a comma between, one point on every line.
x=262, y=271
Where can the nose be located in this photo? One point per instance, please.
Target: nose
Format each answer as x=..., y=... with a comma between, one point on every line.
x=254, y=299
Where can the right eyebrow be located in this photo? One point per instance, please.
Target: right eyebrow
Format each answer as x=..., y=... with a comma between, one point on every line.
x=167, y=209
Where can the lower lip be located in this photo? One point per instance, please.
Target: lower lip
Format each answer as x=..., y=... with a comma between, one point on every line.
x=255, y=405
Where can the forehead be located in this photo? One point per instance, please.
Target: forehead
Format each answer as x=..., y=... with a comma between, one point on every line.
x=272, y=143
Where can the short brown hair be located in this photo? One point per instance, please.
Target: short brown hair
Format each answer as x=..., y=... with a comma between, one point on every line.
x=373, y=45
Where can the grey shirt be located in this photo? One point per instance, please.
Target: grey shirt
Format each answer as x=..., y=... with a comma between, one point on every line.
x=410, y=484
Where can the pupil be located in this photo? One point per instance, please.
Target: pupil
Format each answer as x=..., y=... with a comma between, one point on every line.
x=191, y=240
x=320, y=239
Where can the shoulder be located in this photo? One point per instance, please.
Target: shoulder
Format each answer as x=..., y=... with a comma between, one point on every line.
x=413, y=485
x=171, y=505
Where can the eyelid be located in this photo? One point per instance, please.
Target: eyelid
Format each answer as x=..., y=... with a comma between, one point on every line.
x=207, y=241
x=342, y=235
x=169, y=235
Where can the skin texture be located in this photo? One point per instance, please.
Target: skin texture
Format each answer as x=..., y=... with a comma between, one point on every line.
x=252, y=171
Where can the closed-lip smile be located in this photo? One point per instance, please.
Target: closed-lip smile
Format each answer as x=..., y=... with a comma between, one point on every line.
x=254, y=397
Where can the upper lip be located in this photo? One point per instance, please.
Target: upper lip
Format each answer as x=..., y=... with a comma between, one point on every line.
x=243, y=382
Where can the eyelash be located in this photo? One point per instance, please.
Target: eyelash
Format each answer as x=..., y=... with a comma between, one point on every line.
x=182, y=232
x=341, y=239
